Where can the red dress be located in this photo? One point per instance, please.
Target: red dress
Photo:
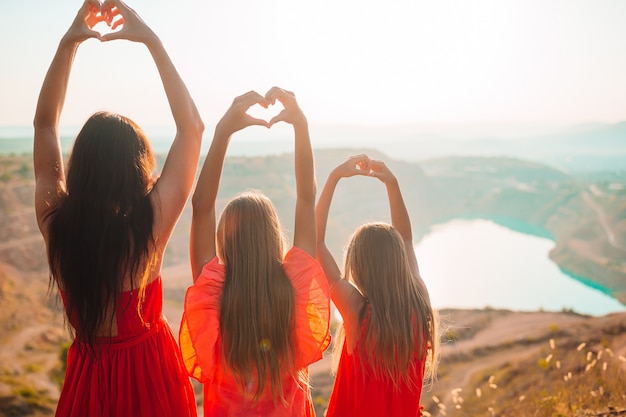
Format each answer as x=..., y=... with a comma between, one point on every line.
x=358, y=392
x=201, y=346
x=139, y=372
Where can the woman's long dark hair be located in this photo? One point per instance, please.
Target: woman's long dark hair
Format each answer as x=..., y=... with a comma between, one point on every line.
x=101, y=231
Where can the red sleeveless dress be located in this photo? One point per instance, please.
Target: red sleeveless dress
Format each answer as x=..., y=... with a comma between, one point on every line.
x=357, y=392
x=139, y=372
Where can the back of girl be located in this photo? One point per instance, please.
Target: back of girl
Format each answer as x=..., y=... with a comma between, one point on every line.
x=389, y=328
x=255, y=317
x=106, y=226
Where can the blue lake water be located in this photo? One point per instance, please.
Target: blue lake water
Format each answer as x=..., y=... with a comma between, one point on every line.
x=477, y=264
x=466, y=264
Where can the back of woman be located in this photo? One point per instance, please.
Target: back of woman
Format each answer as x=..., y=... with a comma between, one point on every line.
x=106, y=226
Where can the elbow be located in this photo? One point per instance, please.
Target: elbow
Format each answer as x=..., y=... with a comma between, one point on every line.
x=194, y=129
x=42, y=121
x=200, y=127
x=197, y=129
x=201, y=209
x=308, y=195
x=198, y=203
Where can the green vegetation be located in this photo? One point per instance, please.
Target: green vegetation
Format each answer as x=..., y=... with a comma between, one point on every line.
x=57, y=374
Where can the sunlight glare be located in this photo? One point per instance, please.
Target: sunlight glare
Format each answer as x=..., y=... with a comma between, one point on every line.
x=258, y=112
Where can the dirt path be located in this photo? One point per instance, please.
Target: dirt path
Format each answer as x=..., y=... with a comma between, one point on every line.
x=610, y=234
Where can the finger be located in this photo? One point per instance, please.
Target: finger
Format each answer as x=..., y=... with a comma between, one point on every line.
x=378, y=169
x=257, y=122
x=271, y=95
x=90, y=5
x=110, y=13
x=92, y=34
x=363, y=166
x=246, y=96
x=89, y=12
x=120, y=34
x=249, y=99
x=114, y=8
x=117, y=23
x=93, y=6
x=377, y=165
x=358, y=158
x=115, y=3
x=93, y=19
x=280, y=117
x=280, y=94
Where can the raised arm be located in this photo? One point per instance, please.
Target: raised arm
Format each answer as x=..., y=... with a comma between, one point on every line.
x=203, y=223
x=304, y=228
x=47, y=154
x=345, y=296
x=174, y=185
x=399, y=214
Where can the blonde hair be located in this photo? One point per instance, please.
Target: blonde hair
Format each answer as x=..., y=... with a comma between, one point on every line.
x=257, y=302
x=403, y=326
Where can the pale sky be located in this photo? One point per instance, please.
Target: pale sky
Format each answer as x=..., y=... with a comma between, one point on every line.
x=349, y=62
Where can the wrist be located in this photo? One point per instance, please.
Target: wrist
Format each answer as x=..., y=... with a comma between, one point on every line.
x=335, y=175
x=392, y=181
x=69, y=42
x=301, y=125
x=221, y=132
x=152, y=41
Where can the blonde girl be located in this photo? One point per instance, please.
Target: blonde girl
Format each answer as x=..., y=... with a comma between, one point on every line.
x=388, y=322
x=255, y=317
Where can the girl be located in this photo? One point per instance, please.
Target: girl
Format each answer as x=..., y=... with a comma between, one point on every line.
x=254, y=318
x=106, y=226
x=389, y=325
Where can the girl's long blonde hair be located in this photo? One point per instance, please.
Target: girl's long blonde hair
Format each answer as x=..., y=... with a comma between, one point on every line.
x=403, y=327
x=257, y=302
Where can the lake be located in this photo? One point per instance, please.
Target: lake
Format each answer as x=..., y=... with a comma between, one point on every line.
x=478, y=263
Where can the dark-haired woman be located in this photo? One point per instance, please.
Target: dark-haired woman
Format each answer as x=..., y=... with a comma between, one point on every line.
x=106, y=224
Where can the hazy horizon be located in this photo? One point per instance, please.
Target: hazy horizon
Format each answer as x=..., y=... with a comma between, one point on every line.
x=450, y=130
x=355, y=62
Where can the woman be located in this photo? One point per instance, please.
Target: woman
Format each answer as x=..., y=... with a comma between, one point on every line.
x=106, y=225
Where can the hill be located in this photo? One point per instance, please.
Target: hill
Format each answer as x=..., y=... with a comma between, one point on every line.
x=585, y=215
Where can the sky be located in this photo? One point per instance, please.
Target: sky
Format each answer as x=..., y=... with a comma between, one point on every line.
x=348, y=62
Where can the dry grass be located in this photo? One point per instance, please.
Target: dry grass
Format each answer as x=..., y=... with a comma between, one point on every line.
x=569, y=378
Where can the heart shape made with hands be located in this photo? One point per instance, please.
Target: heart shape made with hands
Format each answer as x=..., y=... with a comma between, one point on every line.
x=104, y=20
x=259, y=112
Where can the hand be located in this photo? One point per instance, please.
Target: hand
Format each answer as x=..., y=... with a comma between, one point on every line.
x=236, y=117
x=381, y=171
x=291, y=113
x=355, y=165
x=82, y=26
x=116, y=13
